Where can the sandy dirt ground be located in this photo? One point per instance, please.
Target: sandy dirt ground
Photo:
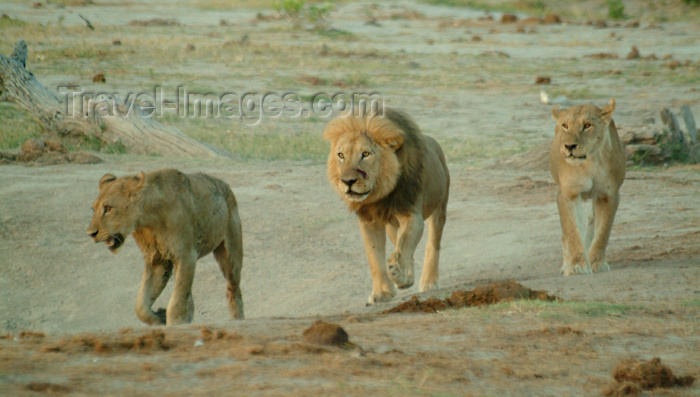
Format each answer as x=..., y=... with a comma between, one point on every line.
x=67, y=321
x=304, y=259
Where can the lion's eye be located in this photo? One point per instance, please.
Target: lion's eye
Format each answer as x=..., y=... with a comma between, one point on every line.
x=565, y=126
x=107, y=209
x=365, y=154
x=586, y=126
x=341, y=156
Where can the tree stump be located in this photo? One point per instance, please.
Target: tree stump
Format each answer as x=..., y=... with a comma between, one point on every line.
x=139, y=134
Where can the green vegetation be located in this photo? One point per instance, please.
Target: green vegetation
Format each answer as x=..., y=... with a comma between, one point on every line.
x=616, y=10
x=16, y=126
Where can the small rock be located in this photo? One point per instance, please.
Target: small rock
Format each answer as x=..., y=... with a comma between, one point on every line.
x=323, y=333
x=99, y=78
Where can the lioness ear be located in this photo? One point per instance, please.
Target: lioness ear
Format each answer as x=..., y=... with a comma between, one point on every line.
x=106, y=180
x=608, y=110
x=140, y=181
x=556, y=112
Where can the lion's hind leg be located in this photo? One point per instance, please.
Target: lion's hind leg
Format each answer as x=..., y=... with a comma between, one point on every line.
x=229, y=256
x=436, y=223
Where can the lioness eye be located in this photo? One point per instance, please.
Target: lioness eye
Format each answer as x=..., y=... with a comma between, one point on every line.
x=586, y=126
x=107, y=209
x=365, y=154
x=565, y=126
x=341, y=156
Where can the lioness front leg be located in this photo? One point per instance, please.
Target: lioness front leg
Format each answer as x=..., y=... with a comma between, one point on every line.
x=181, y=305
x=604, y=208
x=374, y=237
x=156, y=274
x=400, y=265
x=575, y=260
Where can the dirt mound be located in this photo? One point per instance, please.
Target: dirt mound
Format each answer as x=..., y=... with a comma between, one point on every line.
x=632, y=376
x=323, y=333
x=47, y=152
x=500, y=291
x=152, y=341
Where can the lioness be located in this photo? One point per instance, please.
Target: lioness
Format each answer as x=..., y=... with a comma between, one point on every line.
x=587, y=161
x=175, y=219
x=393, y=177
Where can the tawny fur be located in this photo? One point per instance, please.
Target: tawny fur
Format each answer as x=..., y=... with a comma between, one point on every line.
x=175, y=219
x=587, y=161
x=398, y=178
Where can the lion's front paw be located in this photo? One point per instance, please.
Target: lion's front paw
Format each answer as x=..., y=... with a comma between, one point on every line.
x=600, y=266
x=402, y=276
x=383, y=296
x=428, y=285
x=575, y=268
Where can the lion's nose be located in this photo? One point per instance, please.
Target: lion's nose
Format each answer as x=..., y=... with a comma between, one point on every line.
x=571, y=147
x=349, y=182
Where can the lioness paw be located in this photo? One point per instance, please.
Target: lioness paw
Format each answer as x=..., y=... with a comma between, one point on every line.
x=598, y=267
x=428, y=285
x=569, y=270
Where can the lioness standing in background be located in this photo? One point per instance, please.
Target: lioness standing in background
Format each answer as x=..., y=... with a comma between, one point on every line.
x=175, y=219
x=393, y=178
x=587, y=161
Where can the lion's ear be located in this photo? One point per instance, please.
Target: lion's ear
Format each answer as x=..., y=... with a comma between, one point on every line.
x=608, y=110
x=392, y=142
x=556, y=112
x=106, y=180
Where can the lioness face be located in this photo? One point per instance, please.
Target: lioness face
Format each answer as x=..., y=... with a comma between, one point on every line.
x=582, y=130
x=116, y=210
x=359, y=161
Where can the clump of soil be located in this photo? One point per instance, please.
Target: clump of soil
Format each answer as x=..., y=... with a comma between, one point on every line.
x=649, y=374
x=500, y=291
x=48, y=387
x=47, y=152
x=634, y=53
x=508, y=18
x=413, y=305
x=323, y=333
x=602, y=55
x=543, y=80
x=152, y=341
x=155, y=22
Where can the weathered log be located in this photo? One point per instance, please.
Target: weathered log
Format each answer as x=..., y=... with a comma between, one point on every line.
x=535, y=159
x=138, y=134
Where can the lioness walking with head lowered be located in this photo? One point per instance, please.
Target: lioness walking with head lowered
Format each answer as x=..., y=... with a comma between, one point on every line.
x=175, y=219
x=587, y=161
x=393, y=177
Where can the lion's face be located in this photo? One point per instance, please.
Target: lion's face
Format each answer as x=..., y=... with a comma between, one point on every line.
x=358, y=161
x=582, y=130
x=362, y=164
x=116, y=210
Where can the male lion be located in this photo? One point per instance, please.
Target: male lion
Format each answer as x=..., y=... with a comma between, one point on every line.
x=175, y=219
x=587, y=161
x=393, y=177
